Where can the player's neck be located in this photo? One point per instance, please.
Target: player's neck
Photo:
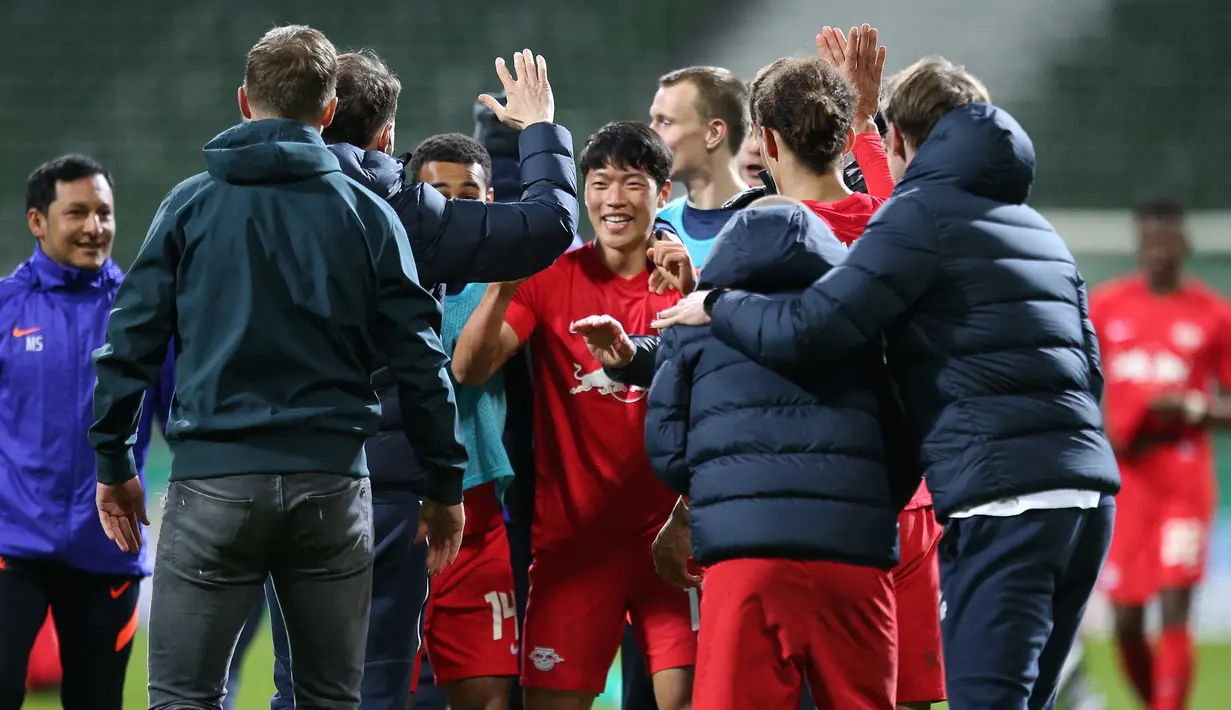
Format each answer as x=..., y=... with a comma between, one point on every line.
x=626, y=261
x=713, y=185
x=1166, y=286
x=805, y=185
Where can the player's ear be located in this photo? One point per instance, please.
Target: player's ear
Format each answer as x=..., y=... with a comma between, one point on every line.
x=384, y=139
x=491, y=195
x=850, y=141
x=37, y=222
x=770, y=143
x=715, y=134
x=897, y=144
x=327, y=118
x=664, y=194
x=244, y=108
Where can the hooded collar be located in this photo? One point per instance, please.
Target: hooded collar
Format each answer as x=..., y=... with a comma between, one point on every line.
x=376, y=170
x=269, y=151
x=978, y=148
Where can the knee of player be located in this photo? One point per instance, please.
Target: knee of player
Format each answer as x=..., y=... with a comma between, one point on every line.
x=1176, y=606
x=1130, y=622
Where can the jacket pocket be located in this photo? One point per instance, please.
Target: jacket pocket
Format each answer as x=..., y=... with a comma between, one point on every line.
x=949, y=547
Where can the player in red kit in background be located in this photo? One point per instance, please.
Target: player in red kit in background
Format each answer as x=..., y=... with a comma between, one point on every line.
x=598, y=505
x=1165, y=340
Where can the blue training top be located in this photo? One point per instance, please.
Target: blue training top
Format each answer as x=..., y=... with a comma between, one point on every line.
x=482, y=409
x=697, y=228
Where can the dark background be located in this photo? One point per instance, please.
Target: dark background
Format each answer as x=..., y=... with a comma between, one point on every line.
x=1136, y=102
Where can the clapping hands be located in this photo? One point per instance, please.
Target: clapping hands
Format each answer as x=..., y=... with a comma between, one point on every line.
x=861, y=59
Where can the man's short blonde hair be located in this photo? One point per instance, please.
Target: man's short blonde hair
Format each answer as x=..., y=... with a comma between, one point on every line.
x=927, y=90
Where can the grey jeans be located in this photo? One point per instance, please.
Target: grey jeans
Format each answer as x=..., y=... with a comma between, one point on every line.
x=220, y=538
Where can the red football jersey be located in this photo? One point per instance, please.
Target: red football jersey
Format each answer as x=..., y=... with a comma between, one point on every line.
x=848, y=218
x=1151, y=344
x=594, y=479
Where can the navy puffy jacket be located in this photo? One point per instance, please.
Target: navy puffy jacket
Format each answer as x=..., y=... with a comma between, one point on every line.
x=788, y=465
x=466, y=241
x=985, y=313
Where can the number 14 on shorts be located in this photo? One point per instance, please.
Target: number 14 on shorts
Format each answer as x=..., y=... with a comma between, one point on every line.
x=502, y=608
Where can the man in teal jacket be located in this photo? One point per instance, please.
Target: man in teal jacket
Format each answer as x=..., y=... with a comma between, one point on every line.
x=284, y=283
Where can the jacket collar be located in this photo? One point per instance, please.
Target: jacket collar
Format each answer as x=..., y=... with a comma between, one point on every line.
x=51, y=275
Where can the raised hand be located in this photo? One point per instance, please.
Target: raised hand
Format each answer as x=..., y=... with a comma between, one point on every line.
x=530, y=99
x=605, y=339
x=831, y=46
x=862, y=61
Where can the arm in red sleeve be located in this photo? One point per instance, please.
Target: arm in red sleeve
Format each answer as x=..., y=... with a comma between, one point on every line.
x=873, y=163
x=1219, y=408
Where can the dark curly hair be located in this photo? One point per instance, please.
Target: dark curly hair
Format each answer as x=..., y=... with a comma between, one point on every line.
x=809, y=104
x=450, y=148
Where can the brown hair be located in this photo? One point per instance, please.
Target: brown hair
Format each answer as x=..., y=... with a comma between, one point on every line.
x=292, y=73
x=367, y=98
x=809, y=104
x=720, y=95
x=927, y=90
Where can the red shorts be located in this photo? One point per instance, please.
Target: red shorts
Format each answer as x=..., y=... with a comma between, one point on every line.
x=576, y=610
x=470, y=624
x=916, y=585
x=1161, y=537
x=771, y=623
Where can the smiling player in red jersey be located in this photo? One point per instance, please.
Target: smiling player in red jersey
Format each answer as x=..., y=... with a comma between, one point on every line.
x=809, y=113
x=1165, y=341
x=598, y=503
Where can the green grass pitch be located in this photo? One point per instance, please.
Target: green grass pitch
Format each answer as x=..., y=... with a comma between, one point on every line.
x=1213, y=688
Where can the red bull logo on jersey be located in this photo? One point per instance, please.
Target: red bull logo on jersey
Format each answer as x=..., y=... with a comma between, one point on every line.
x=601, y=383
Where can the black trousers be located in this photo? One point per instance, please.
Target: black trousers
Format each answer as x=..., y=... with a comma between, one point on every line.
x=95, y=617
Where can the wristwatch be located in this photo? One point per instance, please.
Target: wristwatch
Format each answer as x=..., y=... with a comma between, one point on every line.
x=711, y=299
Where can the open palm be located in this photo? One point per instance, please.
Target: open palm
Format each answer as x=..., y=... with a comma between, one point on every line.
x=605, y=339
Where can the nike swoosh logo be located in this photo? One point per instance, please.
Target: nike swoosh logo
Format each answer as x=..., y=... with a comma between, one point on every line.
x=20, y=332
x=117, y=591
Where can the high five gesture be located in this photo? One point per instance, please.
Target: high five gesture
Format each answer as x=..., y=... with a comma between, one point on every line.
x=862, y=60
x=529, y=95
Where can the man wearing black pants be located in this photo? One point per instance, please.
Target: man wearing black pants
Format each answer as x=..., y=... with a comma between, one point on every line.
x=52, y=551
x=95, y=617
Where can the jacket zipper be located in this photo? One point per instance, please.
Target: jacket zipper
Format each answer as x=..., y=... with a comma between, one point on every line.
x=70, y=349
